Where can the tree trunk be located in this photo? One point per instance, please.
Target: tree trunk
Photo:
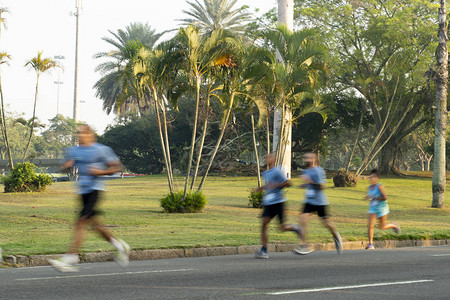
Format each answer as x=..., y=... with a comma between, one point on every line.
x=285, y=17
x=219, y=140
x=167, y=146
x=387, y=158
x=268, y=135
x=438, y=185
x=256, y=150
x=32, y=119
x=4, y=128
x=194, y=133
x=200, y=150
x=161, y=138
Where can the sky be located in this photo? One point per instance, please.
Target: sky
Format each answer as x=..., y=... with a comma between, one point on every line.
x=49, y=26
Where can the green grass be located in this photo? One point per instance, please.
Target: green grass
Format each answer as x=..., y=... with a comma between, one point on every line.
x=42, y=223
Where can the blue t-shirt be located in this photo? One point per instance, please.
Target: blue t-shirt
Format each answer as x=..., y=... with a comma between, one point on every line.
x=273, y=196
x=96, y=156
x=373, y=193
x=313, y=195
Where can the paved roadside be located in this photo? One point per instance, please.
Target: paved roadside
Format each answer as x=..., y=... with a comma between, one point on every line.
x=94, y=257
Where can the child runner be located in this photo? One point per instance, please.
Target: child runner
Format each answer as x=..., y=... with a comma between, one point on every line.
x=378, y=207
x=92, y=160
x=273, y=201
x=315, y=202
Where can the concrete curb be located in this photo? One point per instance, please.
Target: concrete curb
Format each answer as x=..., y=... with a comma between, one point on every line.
x=42, y=260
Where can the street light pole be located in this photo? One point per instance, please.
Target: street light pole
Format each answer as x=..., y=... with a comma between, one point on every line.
x=75, y=96
x=58, y=83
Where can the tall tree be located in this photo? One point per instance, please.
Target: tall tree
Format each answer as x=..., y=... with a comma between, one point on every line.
x=382, y=49
x=114, y=76
x=212, y=15
x=200, y=55
x=242, y=71
x=296, y=77
x=4, y=57
x=40, y=65
x=439, y=168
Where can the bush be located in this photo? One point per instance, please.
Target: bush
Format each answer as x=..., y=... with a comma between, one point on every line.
x=255, y=198
x=345, y=179
x=193, y=203
x=23, y=178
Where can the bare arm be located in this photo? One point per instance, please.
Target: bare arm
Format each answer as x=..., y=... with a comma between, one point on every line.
x=67, y=165
x=113, y=167
x=383, y=193
x=272, y=185
x=307, y=180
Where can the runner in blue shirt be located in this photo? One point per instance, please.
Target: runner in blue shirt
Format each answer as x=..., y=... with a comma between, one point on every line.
x=378, y=208
x=315, y=201
x=273, y=201
x=92, y=160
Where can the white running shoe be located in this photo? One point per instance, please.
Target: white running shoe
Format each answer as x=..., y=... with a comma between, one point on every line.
x=303, y=250
x=260, y=253
x=65, y=264
x=123, y=255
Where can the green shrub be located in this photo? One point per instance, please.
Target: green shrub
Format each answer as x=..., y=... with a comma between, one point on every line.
x=23, y=178
x=255, y=198
x=194, y=202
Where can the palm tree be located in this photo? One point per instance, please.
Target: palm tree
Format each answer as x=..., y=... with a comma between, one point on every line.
x=216, y=14
x=151, y=73
x=114, y=76
x=296, y=75
x=439, y=169
x=3, y=60
x=200, y=55
x=243, y=70
x=4, y=57
x=40, y=65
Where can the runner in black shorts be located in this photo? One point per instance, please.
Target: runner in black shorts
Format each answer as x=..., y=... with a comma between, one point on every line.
x=273, y=203
x=92, y=160
x=316, y=201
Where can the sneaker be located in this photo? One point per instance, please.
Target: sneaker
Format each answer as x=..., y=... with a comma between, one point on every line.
x=123, y=255
x=298, y=230
x=303, y=250
x=396, y=228
x=65, y=264
x=370, y=247
x=261, y=253
x=338, y=243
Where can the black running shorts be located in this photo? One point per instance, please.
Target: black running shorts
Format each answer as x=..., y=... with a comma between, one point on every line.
x=320, y=209
x=89, y=202
x=274, y=210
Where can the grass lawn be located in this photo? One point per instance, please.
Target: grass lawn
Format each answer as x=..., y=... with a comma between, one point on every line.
x=42, y=223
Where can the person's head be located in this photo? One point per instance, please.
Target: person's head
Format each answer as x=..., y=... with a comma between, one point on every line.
x=85, y=135
x=270, y=160
x=310, y=159
x=373, y=176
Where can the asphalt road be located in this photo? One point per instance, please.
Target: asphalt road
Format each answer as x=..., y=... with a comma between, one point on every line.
x=406, y=273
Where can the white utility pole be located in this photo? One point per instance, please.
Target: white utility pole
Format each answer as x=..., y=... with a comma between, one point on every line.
x=285, y=17
x=59, y=82
x=75, y=93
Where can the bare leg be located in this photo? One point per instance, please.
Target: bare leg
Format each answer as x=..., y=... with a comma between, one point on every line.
x=79, y=235
x=102, y=230
x=372, y=219
x=327, y=222
x=304, y=218
x=383, y=225
x=264, y=234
